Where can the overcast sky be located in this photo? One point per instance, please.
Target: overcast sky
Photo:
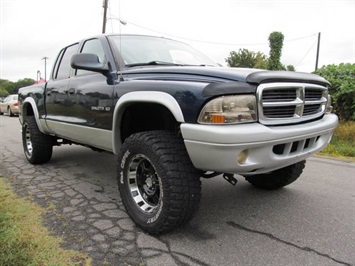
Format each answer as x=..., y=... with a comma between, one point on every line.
x=33, y=29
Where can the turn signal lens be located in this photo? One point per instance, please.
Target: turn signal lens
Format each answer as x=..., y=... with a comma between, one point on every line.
x=329, y=106
x=217, y=119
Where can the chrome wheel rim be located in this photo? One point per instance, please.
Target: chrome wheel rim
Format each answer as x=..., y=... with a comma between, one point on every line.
x=144, y=184
x=29, y=147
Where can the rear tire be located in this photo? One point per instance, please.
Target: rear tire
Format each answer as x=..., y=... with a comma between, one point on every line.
x=277, y=179
x=11, y=114
x=38, y=147
x=159, y=186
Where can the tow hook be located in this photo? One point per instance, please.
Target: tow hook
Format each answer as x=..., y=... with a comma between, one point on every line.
x=230, y=178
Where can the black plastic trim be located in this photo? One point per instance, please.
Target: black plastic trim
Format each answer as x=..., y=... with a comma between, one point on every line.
x=285, y=76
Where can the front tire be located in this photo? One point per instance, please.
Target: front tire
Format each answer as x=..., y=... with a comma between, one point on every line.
x=38, y=147
x=159, y=186
x=277, y=179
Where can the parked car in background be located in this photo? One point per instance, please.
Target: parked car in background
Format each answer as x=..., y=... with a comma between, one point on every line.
x=9, y=105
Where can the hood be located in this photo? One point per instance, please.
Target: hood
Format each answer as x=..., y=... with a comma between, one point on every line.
x=219, y=74
x=198, y=73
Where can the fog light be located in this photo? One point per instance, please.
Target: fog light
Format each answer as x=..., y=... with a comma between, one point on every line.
x=242, y=157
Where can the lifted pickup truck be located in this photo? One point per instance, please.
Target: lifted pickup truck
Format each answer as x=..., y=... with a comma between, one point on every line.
x=172, y=116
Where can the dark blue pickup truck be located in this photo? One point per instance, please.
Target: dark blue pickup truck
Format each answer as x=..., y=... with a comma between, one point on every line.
x=172, y=116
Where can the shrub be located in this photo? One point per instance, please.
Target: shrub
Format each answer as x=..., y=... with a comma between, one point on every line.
x=342, y=88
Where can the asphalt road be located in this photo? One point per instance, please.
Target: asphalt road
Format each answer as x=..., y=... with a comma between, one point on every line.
x=310, y=222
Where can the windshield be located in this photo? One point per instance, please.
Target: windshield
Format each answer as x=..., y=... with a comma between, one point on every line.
x=147, y=50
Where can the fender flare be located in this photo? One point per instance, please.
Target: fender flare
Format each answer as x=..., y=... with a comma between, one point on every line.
x=31, y=101
x=127, y=99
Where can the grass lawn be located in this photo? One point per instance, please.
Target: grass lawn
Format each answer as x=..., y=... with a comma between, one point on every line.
x=343, y=141
x=23, y=238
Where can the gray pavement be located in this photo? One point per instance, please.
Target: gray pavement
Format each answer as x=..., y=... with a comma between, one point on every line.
x=311, y=222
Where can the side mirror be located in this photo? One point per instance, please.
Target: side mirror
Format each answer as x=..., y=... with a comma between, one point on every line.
x=89, y=62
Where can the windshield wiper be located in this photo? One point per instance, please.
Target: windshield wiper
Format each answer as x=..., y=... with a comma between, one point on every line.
x=153, y=63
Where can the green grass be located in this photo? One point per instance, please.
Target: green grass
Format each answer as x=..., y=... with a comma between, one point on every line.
x=343, y=141
x=23, y=238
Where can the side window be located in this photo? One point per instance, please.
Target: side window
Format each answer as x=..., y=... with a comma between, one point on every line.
x=64, y=66
x=92, y=46
x=55, y=68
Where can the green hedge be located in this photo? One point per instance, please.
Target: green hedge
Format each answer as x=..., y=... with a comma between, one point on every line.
x=342, y=89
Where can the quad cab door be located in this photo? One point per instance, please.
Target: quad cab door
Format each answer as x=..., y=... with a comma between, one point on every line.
x=80, y=106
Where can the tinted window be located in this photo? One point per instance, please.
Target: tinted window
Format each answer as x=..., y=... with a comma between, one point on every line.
x=64, y=67
x=55, y=68
x=93, y=46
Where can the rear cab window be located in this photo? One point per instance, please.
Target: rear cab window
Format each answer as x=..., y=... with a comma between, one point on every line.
x=62, y=67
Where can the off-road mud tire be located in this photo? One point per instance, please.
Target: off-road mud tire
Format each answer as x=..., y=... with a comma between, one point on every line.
x=159, y=186
x=38, y=147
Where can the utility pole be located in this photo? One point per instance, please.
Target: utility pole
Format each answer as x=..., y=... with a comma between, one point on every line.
x=38, y=75
x=317, y=51
x=105, y=3
x=45, y=67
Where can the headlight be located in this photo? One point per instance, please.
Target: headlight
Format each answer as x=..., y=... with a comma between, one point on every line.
x=229, y=110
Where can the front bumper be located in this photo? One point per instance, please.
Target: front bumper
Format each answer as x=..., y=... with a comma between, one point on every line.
x=267, y=148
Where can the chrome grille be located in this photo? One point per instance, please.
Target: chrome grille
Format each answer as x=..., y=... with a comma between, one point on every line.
x=313, y=94
x=279, y=111
x=279, y=95
x=286, y=103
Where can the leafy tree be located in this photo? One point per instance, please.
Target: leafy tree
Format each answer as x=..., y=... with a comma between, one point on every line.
x=23, y=83
x=246, y=58
x=250, y=59
x=275, y=43
x=3, y=92
x=12, y=87
x=261, y=61
x=342, y=88
x=290, y=68
x=7, y=85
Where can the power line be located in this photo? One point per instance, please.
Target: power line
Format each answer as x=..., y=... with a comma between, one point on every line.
x=306, y=53
x=207, y=42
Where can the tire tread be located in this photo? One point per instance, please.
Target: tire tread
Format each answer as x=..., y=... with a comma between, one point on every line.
x=279, y=178
x=183, y=192
x=42, y=144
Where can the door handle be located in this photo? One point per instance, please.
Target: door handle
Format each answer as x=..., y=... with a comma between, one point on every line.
x=71, y=91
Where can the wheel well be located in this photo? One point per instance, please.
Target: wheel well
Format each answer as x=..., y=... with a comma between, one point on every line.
x=27, y=110
x=141, y=117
